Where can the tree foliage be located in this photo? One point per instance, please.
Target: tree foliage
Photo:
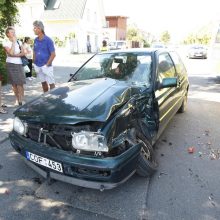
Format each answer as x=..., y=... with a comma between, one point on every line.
x=8, y=14
x=165, y=37
x=136, y=35
x=8, y=17
x=201, y=35
x=197, y=39
x=133, y=34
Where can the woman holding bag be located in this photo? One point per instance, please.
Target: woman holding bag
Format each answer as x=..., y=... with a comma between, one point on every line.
x=29, y=54
x=14, y=66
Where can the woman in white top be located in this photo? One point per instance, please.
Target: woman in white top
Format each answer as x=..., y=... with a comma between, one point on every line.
x=14, y=66
x=29, y=54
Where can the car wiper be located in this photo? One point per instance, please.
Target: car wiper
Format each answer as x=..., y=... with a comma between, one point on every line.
x=72, y=77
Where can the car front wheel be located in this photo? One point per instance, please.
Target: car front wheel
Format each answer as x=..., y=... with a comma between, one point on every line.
x=146, y=163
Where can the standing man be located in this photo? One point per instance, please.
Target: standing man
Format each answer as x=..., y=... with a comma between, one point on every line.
x=43, y=56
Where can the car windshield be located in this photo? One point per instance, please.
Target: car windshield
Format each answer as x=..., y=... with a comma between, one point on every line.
x=129, y=67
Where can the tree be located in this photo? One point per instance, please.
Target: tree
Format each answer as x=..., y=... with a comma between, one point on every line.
x=165, y=37
x=141, y=37
x=8, y=17
x=197, y=38
x=133, y=34
x=8, y=14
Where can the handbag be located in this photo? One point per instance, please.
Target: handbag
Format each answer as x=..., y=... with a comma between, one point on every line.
x=24, y=59
x=26, y=69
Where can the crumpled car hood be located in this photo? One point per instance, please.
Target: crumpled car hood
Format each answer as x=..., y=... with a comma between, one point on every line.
x=74, y=102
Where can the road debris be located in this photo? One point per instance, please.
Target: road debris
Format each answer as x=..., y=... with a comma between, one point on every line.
x=214, y=154
x=37, y=180
x=200, y=154
x=207, y=132
x=7, y=191
x=162, y=173
x=211, y=199
x=191, y=150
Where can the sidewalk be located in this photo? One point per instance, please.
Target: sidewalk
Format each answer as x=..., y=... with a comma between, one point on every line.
x=32, y=90
x=64, y=64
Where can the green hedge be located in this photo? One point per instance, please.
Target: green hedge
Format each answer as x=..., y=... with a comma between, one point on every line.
x=2, y=64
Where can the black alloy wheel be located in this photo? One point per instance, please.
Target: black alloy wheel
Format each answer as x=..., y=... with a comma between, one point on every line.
x=146, y=164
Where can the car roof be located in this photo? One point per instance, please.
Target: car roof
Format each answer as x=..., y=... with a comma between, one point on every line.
x=140, y=50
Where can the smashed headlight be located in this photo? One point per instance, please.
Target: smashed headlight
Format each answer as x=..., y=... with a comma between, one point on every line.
x=19, y=126
x=89, y=141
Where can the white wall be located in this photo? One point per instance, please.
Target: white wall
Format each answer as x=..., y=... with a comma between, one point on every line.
x=91, y=24
x=29, y=11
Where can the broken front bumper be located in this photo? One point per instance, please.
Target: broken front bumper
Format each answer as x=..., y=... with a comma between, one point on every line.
x=81, y=170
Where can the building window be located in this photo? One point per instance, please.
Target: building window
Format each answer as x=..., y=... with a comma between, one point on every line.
x=57, y=4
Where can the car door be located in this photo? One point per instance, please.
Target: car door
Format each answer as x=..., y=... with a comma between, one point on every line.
x=166, y=97
x=182, y=80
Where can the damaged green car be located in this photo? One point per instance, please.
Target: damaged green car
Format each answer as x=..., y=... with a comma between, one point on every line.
x=99, y=128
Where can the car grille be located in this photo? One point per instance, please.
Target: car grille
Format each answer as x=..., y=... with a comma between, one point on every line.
x=55, y=135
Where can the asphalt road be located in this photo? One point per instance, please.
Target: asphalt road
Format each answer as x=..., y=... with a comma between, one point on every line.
x=184, y=187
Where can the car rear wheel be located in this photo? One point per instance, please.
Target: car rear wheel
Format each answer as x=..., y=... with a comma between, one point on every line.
x=146, y=164
x=184, y=104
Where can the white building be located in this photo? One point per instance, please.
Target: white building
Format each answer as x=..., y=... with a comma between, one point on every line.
x=83, y=19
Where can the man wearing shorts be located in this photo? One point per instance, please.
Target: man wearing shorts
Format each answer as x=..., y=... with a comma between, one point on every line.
x=43, y=56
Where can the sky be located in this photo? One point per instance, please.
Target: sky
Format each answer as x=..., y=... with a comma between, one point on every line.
x=178, y=17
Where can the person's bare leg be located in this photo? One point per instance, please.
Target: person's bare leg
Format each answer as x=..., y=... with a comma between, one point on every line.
x=52, y=86
x=45, y=86
x=20, y=93
x=15, y=89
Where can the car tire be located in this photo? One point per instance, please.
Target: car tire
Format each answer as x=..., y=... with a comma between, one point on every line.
x=146, y=163
x=182, y=108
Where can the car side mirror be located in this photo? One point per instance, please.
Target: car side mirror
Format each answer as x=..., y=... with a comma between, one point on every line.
x=167, y=82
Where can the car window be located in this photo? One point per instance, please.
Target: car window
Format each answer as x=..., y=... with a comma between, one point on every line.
x=130, y=67
x=112, y=44
x=180, y=68
x=165, y=67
